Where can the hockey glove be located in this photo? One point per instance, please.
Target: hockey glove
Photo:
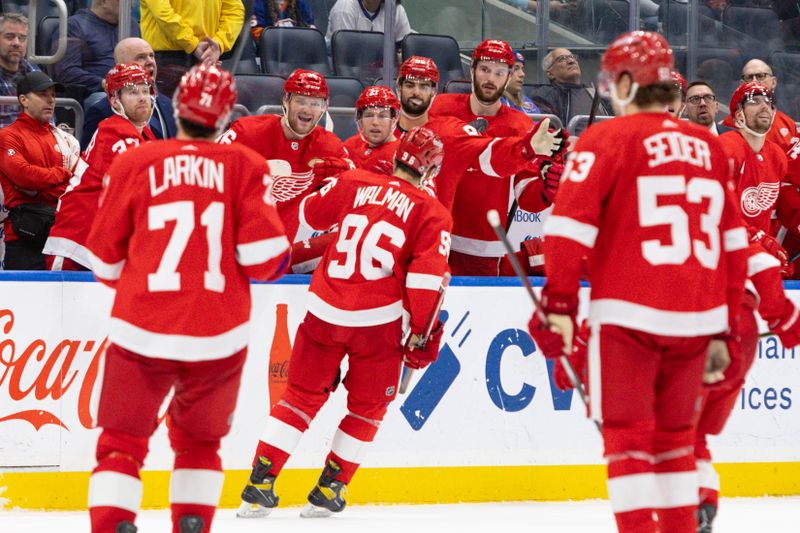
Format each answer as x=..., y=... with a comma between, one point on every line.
x=328, y=167
x=774, y=248
x=787, y=327
x=554, y=339
x=416, y=357
x=530, y=258
x=551, y=176
x=577, y=360
x=541, y=141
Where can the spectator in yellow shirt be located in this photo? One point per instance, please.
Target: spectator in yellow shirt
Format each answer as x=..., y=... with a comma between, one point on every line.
x=187, y=32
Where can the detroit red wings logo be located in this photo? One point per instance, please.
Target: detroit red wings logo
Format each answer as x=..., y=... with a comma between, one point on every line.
x=286, y=184
x=761, y=198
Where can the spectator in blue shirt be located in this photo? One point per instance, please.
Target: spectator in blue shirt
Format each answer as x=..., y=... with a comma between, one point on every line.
x=92, y=35
x=13, y=65
x=268, y=13
x=513, y=95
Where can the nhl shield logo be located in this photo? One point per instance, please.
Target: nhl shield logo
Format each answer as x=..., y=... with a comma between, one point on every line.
x=11, y=152
x=295, y=146
x=390, y=390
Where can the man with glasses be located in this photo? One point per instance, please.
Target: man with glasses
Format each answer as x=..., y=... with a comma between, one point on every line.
x=566, y=96
x=701, y=105
x=784, y=130
x=294, y=143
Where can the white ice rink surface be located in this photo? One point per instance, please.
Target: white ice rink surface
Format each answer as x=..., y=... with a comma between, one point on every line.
x=739, y=515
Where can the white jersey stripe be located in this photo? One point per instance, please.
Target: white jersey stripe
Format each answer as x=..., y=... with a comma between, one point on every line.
x=569, y=228
x=178, y=347
x=361, y=318
x=61, y=246
x=103, y=270
x=735, y=239
x=707, y=475
x=348, y=447
x=477, y=247
x=658, y=321
x=760, y=262
x=429, y=282
x=677, y=489
x=485, y=161
x=636, y=491
x=255, y=253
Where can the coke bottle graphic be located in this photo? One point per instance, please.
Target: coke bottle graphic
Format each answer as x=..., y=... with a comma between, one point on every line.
x=279, y=354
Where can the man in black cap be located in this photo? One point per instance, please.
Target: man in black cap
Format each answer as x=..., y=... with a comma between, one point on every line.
x=36, y=162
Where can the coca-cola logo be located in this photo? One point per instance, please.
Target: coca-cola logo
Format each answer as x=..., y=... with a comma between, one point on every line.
x=279, y=370
x=46, y=372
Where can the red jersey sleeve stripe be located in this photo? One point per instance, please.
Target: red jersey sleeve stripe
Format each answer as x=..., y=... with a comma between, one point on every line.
x=735, y=239
x=760, y=262
x=255, y=253
x=569, y=228
x=423, y=281
x=103, y=270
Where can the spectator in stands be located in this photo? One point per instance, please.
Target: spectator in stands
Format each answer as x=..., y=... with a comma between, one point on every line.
x=162, y=122
x=36, y=162
x=185, y=33
x=513, y=95
x=566, y=96
x=92, y=35
x=365, y=15
x=13, y=65
x=267, y=13
x=784, y=130
x=701, y=105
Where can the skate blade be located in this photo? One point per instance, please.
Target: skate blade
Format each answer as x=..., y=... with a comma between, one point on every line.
x=313, y=511
x=252, y=510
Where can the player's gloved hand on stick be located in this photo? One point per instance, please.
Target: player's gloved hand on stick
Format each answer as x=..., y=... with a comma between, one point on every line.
x=551, y=175
x=774, y=248
x=787, y=327
x=328, y=167
x=554, y=338
x=415, y=357
x=577, y=360
x=542, y=141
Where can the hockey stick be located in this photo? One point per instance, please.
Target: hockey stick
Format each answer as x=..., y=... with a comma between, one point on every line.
x=595, y=105
x=432, y=320
x=493, y=217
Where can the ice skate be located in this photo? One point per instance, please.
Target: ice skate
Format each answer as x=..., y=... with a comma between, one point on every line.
x=126, y=527
x=191, y=524
x=327, y=497
x=705, y=515
x=258, y=497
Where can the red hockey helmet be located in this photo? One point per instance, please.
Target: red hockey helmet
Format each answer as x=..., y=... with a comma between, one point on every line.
x=493, y=50
x=645, y=56
x=378, y=96
x=419, y=68
x=422, y=150
x=679, y=80
x=206, y=96
x=744, y=93
x=306, y=83
x=126, y=76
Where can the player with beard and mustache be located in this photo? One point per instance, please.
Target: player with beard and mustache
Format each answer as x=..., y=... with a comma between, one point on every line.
x=475, y=249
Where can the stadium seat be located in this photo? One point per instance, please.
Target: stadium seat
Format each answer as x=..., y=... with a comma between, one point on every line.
x=256, y=90
x=320, y=10
x=443, y=49
x=786, y=66
x=44, y=32
x=609, y=18
x=762, y=25
x=344, y=91
x=358, y=54
x=458, y=87
x=284, y=49
x=247, y=65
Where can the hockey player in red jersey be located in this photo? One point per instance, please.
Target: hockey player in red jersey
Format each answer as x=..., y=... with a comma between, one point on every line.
x=759, y=165
x=476, y=250
x=465, y=146
x=662, y=217
x=182, y=226
x=372, y=148
x=293, y=143
x=392, y=248
x=130, y=91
